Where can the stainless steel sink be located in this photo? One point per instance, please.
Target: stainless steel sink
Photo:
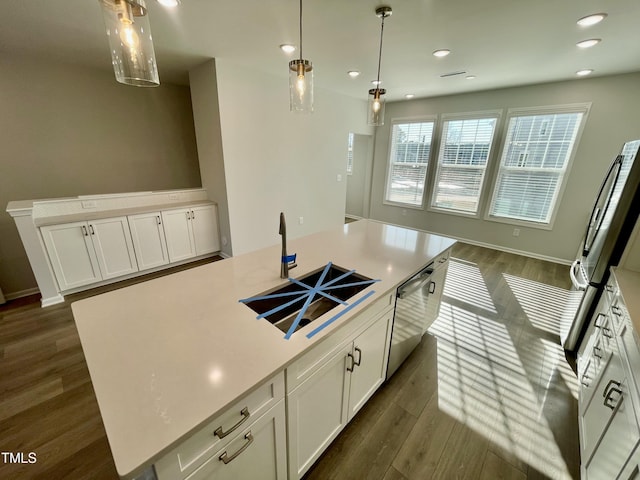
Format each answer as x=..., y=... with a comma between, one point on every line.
x=313, y=294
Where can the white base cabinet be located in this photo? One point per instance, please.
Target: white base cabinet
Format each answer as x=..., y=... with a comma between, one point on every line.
x=82, y=253
x=88, y=252
x=335, y=388
x=149, y=243
x=191, y=232
x=608, y=399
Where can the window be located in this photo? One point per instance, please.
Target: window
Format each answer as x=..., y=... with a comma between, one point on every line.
x=350, y=155
x=408, y=162
x=534, y=161
x=464, y=151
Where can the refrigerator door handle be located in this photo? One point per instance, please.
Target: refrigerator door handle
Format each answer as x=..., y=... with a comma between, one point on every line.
x=597, y=215
x=574, y=278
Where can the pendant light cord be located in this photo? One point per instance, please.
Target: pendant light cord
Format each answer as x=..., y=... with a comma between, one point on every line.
x=380, y=53
x=300, y=29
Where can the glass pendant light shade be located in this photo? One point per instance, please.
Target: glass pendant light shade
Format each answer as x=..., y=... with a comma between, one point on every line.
x=375, y=116
x=301, y=86
x=130, y=42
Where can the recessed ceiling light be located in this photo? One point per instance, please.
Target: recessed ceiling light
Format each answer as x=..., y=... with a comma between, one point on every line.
x=353, y=73
x=591, y=19
x=470, y=77
x=376, y=82
x=409, y=95
x=169, y=3
x=287, y=48
x=441, y=53
x=588, y=43
x=586, y=71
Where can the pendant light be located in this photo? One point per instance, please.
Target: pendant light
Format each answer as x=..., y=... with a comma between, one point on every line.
x=301, y=81
x=375, y=115
x=130, y=43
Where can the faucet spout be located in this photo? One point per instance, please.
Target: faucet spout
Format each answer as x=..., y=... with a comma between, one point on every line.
x=287, y=261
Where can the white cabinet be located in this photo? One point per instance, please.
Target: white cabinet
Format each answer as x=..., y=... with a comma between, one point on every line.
x=82, y=253
x=258, y=451
x=334, y=390
x=608, y=400
x=248, y=440
x=147, y=234
x=191, y=232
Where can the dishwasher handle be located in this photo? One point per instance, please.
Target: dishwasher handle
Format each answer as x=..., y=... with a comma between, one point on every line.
x=416, y=283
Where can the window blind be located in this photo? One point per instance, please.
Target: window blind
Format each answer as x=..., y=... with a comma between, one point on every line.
x=408, y=162
x=533, y=164
x=464, y=150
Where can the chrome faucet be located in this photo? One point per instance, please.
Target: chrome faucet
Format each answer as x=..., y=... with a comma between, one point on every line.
x=287, y=261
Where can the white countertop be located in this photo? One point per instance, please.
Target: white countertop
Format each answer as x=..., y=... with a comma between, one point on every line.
x=629, y=283
x=169, y=354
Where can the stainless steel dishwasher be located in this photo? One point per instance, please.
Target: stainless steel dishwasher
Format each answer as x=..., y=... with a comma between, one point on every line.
x=410, y=317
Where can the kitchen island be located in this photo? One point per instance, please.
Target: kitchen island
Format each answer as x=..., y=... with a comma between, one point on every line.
x=169, y=355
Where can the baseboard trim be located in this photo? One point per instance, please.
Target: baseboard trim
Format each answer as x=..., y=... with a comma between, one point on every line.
x=47, y=302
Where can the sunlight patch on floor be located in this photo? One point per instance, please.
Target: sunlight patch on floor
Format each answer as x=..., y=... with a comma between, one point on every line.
x=485, y=385
x=547, y=307
x=466, y=284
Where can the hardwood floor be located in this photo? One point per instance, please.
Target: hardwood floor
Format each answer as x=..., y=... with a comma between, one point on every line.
x=488, y=394
x=47, y=402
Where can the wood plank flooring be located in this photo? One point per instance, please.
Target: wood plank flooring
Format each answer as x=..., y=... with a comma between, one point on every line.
x=487, y=395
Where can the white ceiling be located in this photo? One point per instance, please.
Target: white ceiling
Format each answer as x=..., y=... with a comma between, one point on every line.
x=502, y=42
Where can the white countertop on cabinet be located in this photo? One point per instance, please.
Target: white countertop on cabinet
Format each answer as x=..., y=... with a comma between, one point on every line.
x=629, y=283
x=170, y=353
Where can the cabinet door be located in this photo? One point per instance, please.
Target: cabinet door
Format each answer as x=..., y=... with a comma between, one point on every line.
x=436, y=287
x=260, y=451
x=114, y=249
x=177, y=231
x=369, y=359
x=204, y=223
x=317, y=413
x=148, y=239
x=72, y=255
x=619, y=439
x=595, y=414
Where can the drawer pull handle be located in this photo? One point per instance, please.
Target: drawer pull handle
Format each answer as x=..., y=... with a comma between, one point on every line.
x=158, y=217
x=608, y=398
x=91, y=229
x=596, y=352
x=616, y=310
x=609, y=287
x=357, y=364
x=600, y=315
x=220, y=434
x=84, y=231
x=226, y=459
x=606, y=331
x=432, y=287
x=442, y=260
x=193, y=214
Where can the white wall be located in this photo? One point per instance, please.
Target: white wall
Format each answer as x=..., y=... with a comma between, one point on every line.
x=275, y=160
x=361, y=174
x=613, y=119
x=67, y=130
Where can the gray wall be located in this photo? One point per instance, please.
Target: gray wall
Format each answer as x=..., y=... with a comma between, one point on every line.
x=67, y=130
x=614, y=118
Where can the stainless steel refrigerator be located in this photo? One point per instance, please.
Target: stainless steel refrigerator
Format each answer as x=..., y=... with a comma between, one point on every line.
x=612, y=219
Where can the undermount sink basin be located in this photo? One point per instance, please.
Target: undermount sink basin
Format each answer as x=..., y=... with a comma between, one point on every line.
x=282, y=305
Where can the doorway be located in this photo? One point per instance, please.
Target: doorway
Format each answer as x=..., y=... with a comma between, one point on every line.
x=359, y=171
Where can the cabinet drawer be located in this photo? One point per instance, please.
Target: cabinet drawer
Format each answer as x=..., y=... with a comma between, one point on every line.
x=191, y=453
x=442, y=258
x=311, y=361
x=258, y=451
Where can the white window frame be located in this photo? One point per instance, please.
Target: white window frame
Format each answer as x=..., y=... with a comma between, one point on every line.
x=487, y=177
x=404, y=120
x=583, y=108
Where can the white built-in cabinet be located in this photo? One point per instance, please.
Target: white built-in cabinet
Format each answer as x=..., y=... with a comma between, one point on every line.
x=147, y=233
x=87, y=252
x=436, y=289
x=83, y=253
x=191, y=232
x=609, y=395
x=329, y=385
x=246, y=441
